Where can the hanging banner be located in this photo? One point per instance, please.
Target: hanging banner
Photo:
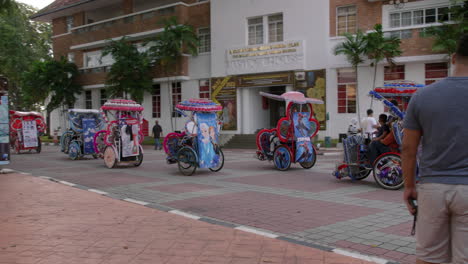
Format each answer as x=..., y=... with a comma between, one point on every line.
x=30, y=134
x=89, y=129
x=303, y=132
x=4, y=132
x=224, y=92
x=207, y=139
x=313, y=85
x=129, y=136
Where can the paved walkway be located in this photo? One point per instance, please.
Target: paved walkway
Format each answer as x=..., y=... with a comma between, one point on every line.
x=45, y=222
x=305, y=206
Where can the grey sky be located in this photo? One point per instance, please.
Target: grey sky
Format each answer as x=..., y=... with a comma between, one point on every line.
x=39, y=4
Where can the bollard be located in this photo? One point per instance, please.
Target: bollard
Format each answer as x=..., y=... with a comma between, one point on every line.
x=55, y=137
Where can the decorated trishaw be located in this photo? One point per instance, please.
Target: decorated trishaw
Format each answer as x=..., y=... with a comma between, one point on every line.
x=291, y=140
x=26, y=127
x=386, y=167
x=197, y=146
x=120, y=142
x=78, y=140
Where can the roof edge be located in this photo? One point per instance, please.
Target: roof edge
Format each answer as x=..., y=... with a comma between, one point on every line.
x=39, y=14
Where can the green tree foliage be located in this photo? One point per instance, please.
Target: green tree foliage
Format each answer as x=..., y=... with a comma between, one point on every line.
x=6, y=5
x=447, y=34
x=22, y=41
x=380, y=47
x=52, y=81
x=173, y=42
x=353, y=48
x=131, y=72
x=176, y=40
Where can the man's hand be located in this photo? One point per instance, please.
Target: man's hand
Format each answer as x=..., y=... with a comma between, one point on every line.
x=408, y=157
x=410, y=194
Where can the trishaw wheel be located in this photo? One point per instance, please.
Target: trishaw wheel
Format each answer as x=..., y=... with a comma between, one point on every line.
x=110, y=158
x=282, y=158
x=187, y=161
x=39, y=145
x=220, y=162
x=388, y=173
x=74, y=151
x=65, y=142
x=308, y=165
x=140, y=158
x=99, y=142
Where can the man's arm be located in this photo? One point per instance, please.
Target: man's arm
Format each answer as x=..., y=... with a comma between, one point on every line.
x=410, y=148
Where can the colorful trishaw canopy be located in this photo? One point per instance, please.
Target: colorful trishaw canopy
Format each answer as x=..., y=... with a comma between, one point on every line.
x=199, y=105
x=403, y=88
x=122, y=105
x=21, y=114
x=295, y=97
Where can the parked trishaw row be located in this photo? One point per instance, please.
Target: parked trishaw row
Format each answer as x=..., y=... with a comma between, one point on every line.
x=114, y=133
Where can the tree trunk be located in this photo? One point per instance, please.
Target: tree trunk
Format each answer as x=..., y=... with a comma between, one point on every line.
x=358, y=111
x=373, y=84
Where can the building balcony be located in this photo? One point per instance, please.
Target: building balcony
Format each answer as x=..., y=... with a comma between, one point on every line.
x=136, y=26
x=97, y=75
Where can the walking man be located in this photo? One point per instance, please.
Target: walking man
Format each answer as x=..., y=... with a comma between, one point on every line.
x=157, y=134
x=438, y=114
x=369, y=124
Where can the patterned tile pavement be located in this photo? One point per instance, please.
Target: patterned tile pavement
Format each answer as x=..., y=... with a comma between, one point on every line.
x=305, y=205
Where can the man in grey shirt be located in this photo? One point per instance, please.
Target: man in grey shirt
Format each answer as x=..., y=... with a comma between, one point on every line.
x=438, y=115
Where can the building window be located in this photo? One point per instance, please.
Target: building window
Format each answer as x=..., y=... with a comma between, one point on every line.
x=346, y=19
x=255, y=30
x=419, y=17
x=435, y=72
x=176, y=97
x=71, y=57
x=401, y=34
x=394, y=74
x=204, y=91
x=205, y=40
x=103, y=97
x=275, y=28
x=94, y=59
x=69, y=23
x=346, y=90
x=88, y=100
x=156, y=100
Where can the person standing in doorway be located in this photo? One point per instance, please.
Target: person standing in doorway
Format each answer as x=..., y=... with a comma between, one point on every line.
x=369, y=124
x=157, y=134
x=436, y=113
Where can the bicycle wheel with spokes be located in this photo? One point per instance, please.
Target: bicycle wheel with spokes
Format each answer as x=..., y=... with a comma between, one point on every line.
x=388, y=173
x=220, y=162
x=187, y=161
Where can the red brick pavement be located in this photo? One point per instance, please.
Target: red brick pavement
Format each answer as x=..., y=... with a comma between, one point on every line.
x=254, y=209
x=43, y=222
x=182, y=188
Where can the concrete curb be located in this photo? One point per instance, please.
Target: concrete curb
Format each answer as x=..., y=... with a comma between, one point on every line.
x=214, y=221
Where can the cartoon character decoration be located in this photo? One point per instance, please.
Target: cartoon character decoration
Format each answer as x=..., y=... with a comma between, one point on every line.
x=302, y=132
x=207, y=138
x=290, y=141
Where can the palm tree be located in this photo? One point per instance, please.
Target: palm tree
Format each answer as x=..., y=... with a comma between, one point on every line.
x=380, y=47
x=170, y=45
x=445, y=39
x=354, y=47
x=130, y=74
x=447, y=35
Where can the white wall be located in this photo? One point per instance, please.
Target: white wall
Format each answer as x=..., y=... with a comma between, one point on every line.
x=302, y=19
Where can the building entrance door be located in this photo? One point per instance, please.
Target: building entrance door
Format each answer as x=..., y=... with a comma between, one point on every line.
x=277, y=108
